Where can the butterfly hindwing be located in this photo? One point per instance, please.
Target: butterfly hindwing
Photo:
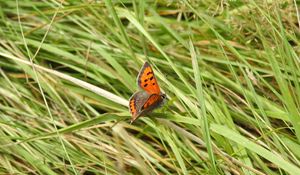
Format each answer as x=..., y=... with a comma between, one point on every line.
x=136, y=102
x=147, y=81
x=151, y=102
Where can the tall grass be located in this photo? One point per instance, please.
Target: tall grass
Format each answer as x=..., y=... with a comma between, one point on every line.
x=230, y=70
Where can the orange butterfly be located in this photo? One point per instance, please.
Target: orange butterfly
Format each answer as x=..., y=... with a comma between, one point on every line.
x=144, y=101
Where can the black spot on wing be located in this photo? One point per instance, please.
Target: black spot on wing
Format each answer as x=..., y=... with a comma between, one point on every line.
x=145, y=85
x=149, y=73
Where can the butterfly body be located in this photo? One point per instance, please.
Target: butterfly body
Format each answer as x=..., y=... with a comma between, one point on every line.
x=149, y=98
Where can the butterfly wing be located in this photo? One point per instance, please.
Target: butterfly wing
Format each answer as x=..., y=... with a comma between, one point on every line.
x=152, y=102
x=136, y=102
x=142, y=103
x=147, y=81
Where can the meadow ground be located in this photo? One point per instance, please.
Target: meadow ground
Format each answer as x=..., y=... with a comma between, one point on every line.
x=230, y=70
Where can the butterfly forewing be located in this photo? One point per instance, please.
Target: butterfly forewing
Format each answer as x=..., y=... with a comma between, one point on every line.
x=147, y=81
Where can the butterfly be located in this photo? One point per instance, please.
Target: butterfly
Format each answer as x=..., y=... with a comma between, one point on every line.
x=147, y=99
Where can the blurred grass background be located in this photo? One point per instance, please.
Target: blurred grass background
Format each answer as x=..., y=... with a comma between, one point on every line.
x=230, y=69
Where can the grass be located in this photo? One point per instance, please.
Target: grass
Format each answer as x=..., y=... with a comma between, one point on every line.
x=230, y=70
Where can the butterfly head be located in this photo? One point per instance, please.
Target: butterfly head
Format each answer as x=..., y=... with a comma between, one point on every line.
x=164, y=99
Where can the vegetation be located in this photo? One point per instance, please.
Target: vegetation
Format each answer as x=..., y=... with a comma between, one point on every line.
x=230, y=70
